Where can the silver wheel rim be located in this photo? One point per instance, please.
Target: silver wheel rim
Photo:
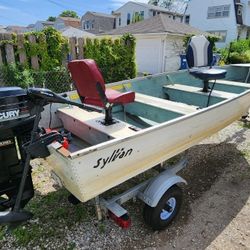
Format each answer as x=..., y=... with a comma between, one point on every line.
x=166, y=213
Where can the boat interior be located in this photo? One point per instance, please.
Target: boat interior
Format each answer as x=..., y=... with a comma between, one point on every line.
x=158, y=99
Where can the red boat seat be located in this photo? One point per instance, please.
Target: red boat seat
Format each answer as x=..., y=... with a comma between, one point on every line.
x=86, y=74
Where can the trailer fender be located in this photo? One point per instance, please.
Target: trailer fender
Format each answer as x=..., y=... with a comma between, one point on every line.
x=159, y=185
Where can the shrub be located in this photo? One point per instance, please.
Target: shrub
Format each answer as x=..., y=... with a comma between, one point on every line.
x=115, y=58
x=57, y=79
x=50, y=48
x=15, y=75
x=240, y=46
x=236, y=52
x=236, y=57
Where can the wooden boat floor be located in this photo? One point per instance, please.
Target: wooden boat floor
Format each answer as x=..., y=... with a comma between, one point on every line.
x=232, y=83
x=177, y=107
x=94, y=121
x=196, y=90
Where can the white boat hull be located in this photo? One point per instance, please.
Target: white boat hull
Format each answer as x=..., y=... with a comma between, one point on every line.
x=89, y=172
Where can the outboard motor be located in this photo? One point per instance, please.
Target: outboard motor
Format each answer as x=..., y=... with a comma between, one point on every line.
x=20, y=141
x=16, y=123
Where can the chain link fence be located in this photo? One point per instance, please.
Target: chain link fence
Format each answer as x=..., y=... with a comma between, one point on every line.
x=57, y=80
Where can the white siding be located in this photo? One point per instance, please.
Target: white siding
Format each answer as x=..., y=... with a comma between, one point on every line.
x=173, y=49
x=149, y=55
x=158, y=54
x=130, y=8
x=198, y=18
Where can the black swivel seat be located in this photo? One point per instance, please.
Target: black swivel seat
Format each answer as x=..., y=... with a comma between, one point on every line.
x=199, y=59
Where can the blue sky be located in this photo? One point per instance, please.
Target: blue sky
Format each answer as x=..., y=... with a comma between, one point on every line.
x=24, y=12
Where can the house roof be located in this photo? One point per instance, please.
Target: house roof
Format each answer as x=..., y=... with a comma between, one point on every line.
x=101, y=14
x=158, y=24
x=151, y=7
x=73, y=32
x=46, y=22
x=15, y=28
x=31, y=25
x=70, y=21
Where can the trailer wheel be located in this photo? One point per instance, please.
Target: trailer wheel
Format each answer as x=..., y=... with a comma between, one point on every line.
x=160, y=217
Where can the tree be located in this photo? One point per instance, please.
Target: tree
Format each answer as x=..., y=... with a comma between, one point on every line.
x=162, y=3
x=69, y=13
x=153, y=2
x=171, y=5
x=51, y=18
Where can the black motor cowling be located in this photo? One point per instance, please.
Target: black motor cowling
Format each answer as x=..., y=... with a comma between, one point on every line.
x=16, y=123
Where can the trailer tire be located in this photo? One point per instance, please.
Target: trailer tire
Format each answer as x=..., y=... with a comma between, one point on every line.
x=160, y=217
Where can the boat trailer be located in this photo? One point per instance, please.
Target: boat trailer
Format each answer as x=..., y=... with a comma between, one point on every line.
x=158, y=193
x=161, y=195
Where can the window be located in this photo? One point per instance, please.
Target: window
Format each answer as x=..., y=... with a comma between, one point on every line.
x=174, y=17
x=239, y=11
x=248, y=34
x=221, y=33
x=87, y=25
x=119, y=21
x=218, y=11
x=154, y=13
x=138, y=16
x=142, y=15
x=128, y=18
x=187, y=19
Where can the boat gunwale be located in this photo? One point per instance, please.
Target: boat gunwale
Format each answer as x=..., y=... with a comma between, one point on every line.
x=142, y=132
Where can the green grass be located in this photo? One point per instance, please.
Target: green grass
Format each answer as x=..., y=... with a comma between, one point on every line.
x=245, y=124
x=101, y=228
x=26, y=234
x=2, y=232
x=52, y=214
x=71, y=246
x=245, y=153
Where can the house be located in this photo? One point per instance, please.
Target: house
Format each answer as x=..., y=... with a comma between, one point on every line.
x=96, y=23
x=159, y=42
x=73, y=32
x=2, y=29
x=40, y=25
x=16, y=29
x=30, y=27
x=63, y=22
x=132, y=12
x=230, y=19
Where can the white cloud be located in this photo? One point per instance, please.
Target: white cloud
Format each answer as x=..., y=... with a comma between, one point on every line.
x=3, y=7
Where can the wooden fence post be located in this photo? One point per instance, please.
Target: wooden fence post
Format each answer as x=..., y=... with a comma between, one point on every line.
x=1, y=59
x=21, y=49
x=80, y=48
x=72, y=47
x=9, y=49
x=34, y=58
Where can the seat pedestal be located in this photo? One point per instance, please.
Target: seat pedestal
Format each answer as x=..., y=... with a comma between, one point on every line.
x=108, y=117
x=205, y=86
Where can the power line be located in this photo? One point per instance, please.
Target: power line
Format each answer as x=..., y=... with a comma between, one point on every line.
x=63, y=6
